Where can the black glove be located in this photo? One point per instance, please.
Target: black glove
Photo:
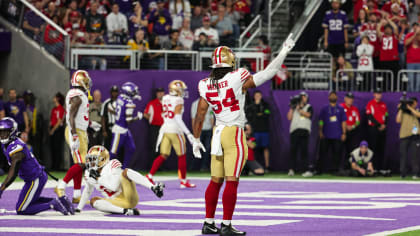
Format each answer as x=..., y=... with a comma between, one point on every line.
x=158, y=189
x=94, y=174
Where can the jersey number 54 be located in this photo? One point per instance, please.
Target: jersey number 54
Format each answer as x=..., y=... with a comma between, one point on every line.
x=229, y=101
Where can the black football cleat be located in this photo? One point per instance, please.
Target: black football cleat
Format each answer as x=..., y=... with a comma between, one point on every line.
x=210, y=228
x=230, y=230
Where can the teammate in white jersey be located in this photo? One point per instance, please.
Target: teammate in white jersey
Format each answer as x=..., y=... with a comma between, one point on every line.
x=77, y=121
x=172, y=132
x=224, y=91
x=117, y=185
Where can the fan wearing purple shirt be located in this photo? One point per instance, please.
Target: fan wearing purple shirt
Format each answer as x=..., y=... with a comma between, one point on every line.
x=332, y=132
x=335, y=25
x=161, y=19
x=33, y=23
x=16, y=109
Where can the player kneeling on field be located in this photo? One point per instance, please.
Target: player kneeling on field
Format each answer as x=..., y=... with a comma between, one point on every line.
x=23, y=162
x=118, y=186
x=361, y=161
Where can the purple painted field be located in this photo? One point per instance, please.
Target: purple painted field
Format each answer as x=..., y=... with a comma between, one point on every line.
x=265, y=207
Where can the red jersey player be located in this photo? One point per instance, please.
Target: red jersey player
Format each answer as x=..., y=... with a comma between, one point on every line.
x=224, y=92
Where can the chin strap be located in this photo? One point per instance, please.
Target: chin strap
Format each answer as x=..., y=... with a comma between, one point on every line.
x=90, y=98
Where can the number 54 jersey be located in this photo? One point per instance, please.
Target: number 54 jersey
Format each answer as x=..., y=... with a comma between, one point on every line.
x=228, y=100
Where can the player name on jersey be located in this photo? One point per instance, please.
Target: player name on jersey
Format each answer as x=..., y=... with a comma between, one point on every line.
x=223, y=84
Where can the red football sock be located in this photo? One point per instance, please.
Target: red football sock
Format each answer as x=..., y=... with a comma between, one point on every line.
x=156, y=164
x=77, y=179
x=212, y=195
x=229, y=199
x=182, y=167
x=74, y=170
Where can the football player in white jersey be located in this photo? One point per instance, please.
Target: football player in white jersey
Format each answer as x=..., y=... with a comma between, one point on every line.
x=171, y=134
x=224, y=92
x=77, y=121
x=117, y=185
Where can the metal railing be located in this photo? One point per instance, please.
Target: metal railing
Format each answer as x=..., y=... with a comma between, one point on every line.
x=243, y=59
x=307, y=60
x=408, y=80
x=271, y=11
x=48, y=34
x=257, y=31
x=303, y=79
x=362, y=80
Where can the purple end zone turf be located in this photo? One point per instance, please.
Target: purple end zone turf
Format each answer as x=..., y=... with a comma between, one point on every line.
x=263, y=208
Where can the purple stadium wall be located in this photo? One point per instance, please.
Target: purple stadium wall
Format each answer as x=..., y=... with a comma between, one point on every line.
x=149, y=80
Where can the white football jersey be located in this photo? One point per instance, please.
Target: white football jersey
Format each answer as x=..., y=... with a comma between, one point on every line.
x=109, y=182
x=228, y=102
x=169, y=102
x=82, y=116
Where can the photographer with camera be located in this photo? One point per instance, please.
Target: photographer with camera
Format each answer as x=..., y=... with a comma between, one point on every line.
x=300, y=115
x=408, y=115
x=361, y=161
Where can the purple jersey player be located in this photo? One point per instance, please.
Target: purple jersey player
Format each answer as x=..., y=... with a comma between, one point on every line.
x=23, y=163
x=121, y=136
x=335, y=25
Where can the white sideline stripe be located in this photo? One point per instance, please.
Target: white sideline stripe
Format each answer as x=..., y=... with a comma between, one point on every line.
x=396, y=231
x=99, y=231
x=99, y=217
x=272, y=214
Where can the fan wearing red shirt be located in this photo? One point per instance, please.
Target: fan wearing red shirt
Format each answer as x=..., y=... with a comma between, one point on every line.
x=153, y=113
x=56, y=131
x=412, y=44
x=388, y=55
x=352, y=122
x=377, y=114
x=391, y=4
x=53, y=39
x=369, y=5
x=369, y=29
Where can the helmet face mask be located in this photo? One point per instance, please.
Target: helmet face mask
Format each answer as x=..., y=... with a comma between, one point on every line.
x=131, y=90
x=81, y=78
x=8, y=130
x=97, y=157
x=178, y=88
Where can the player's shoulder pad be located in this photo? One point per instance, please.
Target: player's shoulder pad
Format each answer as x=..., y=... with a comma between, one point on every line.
x=115, y=164
x=328, y=12
x=14, y=148
x=244, y=73
x=343, y=12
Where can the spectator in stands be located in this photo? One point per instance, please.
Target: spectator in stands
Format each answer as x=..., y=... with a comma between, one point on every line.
x=53, y=40
x=377, y=114
x=51, y=10
x=361, y=161
x=76, y=29
x=332, y=132
x=206, y=135
x=368, y=5
x=244, y=9
x=162, y=21
x=154, y=60
x=124, y=6
x=139, y=43
x=364, y=52
x=345, y=75
x=413, y=15
x=108, y=115
x=56, y=131
x=137, y=20
x=258, y=114
x=95, y=107
x=335, y=30
x=404, y=30
x=369, y=29
x=412, y=44
x=352, y=123
x=72, y=7
x=212, y=34
x=153, y=113
x=16, y=109
x=388, y=40
x=202, y=43
x=32, y=23
x=104, y=6
x=197, y=18
x=389, y=5
x=186, y=36
x=252, y=164
x=95, y=23
x=360, y=22
x=117, y=27
x=235, y=17
x=396, y=15
x=224, y=26
x=408, y=116
x=175, y=60
x=300, y=116
x=264, y=48
x=179, y=10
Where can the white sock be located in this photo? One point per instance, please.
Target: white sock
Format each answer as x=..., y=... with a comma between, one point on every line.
x=226, y=222
x=61, y=184
x=106, y=206
x=209, y=220
x=77, y=193
x=137, y=178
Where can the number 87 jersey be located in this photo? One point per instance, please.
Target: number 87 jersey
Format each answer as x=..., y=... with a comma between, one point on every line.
x=228, y=100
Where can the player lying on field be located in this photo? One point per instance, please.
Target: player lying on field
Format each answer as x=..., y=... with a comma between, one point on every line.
x=23, y=162
x=118, y=186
